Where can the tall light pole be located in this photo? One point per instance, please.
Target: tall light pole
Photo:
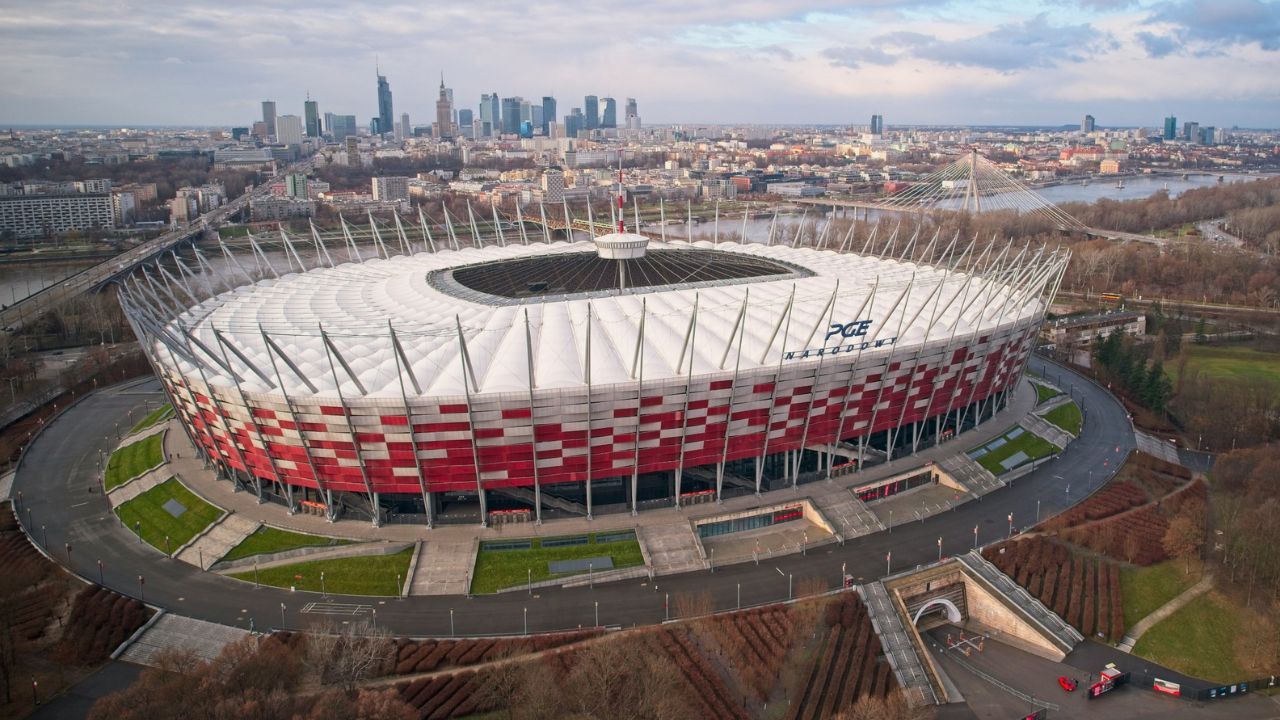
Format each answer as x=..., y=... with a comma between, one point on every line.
x=323, y=593
x=597, y=613
x=975, y=537
x=451, y=633
x=282, y=622
x=1010, y=524
x=939, y=547
x=526, y=621
x=888, y=563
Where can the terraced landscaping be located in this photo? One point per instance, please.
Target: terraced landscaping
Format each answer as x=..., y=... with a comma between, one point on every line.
x=508, y=563
x=1066, y=417
x=167, y=515
x=132, y=460
x=267, y=539
x=361, y=575
x=160, y=414
x=993, y=455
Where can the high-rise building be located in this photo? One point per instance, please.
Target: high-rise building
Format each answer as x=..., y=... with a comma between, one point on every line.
x=610, y=116
x=488, y=114
x=591, y=105
x=877, y=124
x=311, y=110
x=341, y=126
x=538, y=119
x=390, y=188
x=289, y=130
x=574, y=123
x=548, y=114
x=1170, y=127
x=404, y=129
x=385, y=121
x=632, y=111
x=465, y=117
x=1191, y=131
x=295, y=185
x=553, y=185
x=1208, y=135
x=269, y=116
x=511, y=115
x=444, y=112
x=1087, y=124
x=353, y=150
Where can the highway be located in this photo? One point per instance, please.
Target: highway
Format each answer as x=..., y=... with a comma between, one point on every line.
x=32, y=307
x=61, y=502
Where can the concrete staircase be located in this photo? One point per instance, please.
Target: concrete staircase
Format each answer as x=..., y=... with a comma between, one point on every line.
x=1037, y=425
x=671, y=548
x=966, y=471
x=559, y=503
x=175, y=632
x=443, y=568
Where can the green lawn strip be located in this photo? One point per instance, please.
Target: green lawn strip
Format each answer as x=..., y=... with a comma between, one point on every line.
x=498, y=569
x=146, y=514
x=1067, y=417
x=1147, y=588
x=1044, y=392
x=1198, y=640
x=1033, y=445
x=132, y=459
x=1218, y=362
x=267, y=539
x=360, y=575
x=160, y=413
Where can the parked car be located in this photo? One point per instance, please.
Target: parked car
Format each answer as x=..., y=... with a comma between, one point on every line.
x=1067, y=683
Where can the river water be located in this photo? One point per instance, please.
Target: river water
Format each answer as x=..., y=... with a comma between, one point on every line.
x=19, y=280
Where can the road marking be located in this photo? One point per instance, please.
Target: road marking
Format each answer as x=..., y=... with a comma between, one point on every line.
x=80, y=504
x=336, y=609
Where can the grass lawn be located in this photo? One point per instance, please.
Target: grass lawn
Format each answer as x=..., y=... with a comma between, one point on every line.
x=146, y=514
x=364, y=575
x=132, y=459
x=1147, y=588
x=267, y=539
x=1044, y=392
x=1231, y=362
x=498, y=569
x=161, y=413
x=1066, y=417
x=1033, y=445
x=1198, y=640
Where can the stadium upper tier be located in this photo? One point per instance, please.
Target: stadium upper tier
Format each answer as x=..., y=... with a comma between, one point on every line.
x=502, y=319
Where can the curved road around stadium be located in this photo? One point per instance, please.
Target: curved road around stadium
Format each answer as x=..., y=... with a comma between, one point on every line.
x=62, y=503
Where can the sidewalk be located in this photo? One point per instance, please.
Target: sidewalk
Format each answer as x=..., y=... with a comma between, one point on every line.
x=1132, y=634
x=183, y=462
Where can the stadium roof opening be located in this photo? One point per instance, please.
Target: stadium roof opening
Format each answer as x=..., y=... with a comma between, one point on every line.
x=583, y=274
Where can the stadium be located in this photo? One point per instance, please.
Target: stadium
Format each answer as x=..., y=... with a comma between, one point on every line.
x=577, y=376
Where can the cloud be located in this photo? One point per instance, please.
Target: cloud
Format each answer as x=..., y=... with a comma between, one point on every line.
x=1158, y=45
x=1224, y=22
x=852, y=57
x=1032, y=43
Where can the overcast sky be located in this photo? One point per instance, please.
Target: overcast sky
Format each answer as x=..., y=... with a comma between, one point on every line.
x=119, y=62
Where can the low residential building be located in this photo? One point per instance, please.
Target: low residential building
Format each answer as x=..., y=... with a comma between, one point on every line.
x=1078, y=332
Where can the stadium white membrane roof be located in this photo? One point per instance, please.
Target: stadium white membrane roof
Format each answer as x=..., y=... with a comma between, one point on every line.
x=333, y=330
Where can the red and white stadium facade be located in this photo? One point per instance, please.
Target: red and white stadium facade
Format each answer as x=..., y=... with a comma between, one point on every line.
x=457, y=372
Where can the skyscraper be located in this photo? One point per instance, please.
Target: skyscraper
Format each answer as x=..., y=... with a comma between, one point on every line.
x=610, y=119
x=591, y=105
x=548, y=114
x=342, y=127
x=311, y=110
x=444, y=112
x=574, y=123
x=1170, y=127
x=404, y=129
x=465, y=123
x=269, y=116
x=289, y=130
x=495, y=110
x=488, y=114
x=385, y=121
x=1087, y=124
x=632, y=110
x=877, y=124
x=511, y=115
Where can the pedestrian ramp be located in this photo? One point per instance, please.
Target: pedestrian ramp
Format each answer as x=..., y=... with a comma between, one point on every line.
x=1037, y=425
x=218, y=540
x=965, y=471
x=443, y=568
x=847, y=513
x=1031, y=610
x=177, y=633
x=900, y=649
x=671, y=548
x=1156, y=447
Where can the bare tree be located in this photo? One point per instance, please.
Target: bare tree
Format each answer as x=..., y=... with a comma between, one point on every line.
x=694, y=604
x=892, y=707
x=349, y=654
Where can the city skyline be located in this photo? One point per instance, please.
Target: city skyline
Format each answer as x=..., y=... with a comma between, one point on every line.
x=917, y=62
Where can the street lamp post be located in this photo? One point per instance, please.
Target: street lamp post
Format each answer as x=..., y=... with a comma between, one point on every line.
x=44, y=530
x=526, y=621
x=888, y=563
x=530, y=576
x=282, y=621
x=975, y=537
x=451, y=633
x=1010, y=524
x=890, y=519
x=142, y=588
x=100, y=573
x=597, y=613
x=789, y=595
x=68, y=554
x=939, y=547
x=713, y=559
x=739, y=596
x=323, y=593
x=1037, y=511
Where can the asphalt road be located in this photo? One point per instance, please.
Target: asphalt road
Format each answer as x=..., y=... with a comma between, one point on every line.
x=62, y=503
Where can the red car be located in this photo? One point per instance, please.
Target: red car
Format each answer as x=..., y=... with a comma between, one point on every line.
x=1067, y=683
